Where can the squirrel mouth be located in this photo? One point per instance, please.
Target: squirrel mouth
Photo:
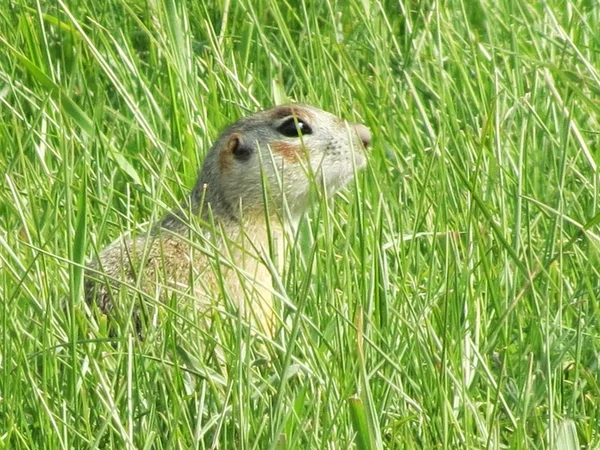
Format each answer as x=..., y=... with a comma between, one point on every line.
x=335, y=178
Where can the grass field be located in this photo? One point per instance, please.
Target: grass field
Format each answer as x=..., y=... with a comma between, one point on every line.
x=447, y=299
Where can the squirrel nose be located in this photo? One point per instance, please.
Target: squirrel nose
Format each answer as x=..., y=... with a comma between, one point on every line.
x=364, y=133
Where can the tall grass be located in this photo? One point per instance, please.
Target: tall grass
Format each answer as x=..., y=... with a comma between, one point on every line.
x=447, y=299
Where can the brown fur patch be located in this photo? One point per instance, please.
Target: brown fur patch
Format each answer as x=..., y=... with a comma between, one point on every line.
x=290, y=110
x=290, y=152
x=283, y=111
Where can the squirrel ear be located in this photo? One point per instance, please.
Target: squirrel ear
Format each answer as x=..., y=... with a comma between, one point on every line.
x=238, y=149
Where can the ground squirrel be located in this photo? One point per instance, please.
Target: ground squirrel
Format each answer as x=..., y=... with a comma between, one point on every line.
x=273, y=152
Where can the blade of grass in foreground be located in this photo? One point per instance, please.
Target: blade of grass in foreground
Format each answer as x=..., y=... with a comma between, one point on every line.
x=361, y=408
x=360, y=423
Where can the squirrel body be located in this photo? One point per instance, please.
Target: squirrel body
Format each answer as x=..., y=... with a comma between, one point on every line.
x=254, y=184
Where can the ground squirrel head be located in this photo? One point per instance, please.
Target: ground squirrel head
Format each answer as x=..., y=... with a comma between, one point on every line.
x=285, y=146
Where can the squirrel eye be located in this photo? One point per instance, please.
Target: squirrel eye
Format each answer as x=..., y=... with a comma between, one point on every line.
x=290, y=128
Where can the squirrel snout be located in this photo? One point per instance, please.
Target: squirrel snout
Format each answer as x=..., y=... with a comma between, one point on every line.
x=364, y=133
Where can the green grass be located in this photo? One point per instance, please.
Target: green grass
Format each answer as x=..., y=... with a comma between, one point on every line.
x=448, y=299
